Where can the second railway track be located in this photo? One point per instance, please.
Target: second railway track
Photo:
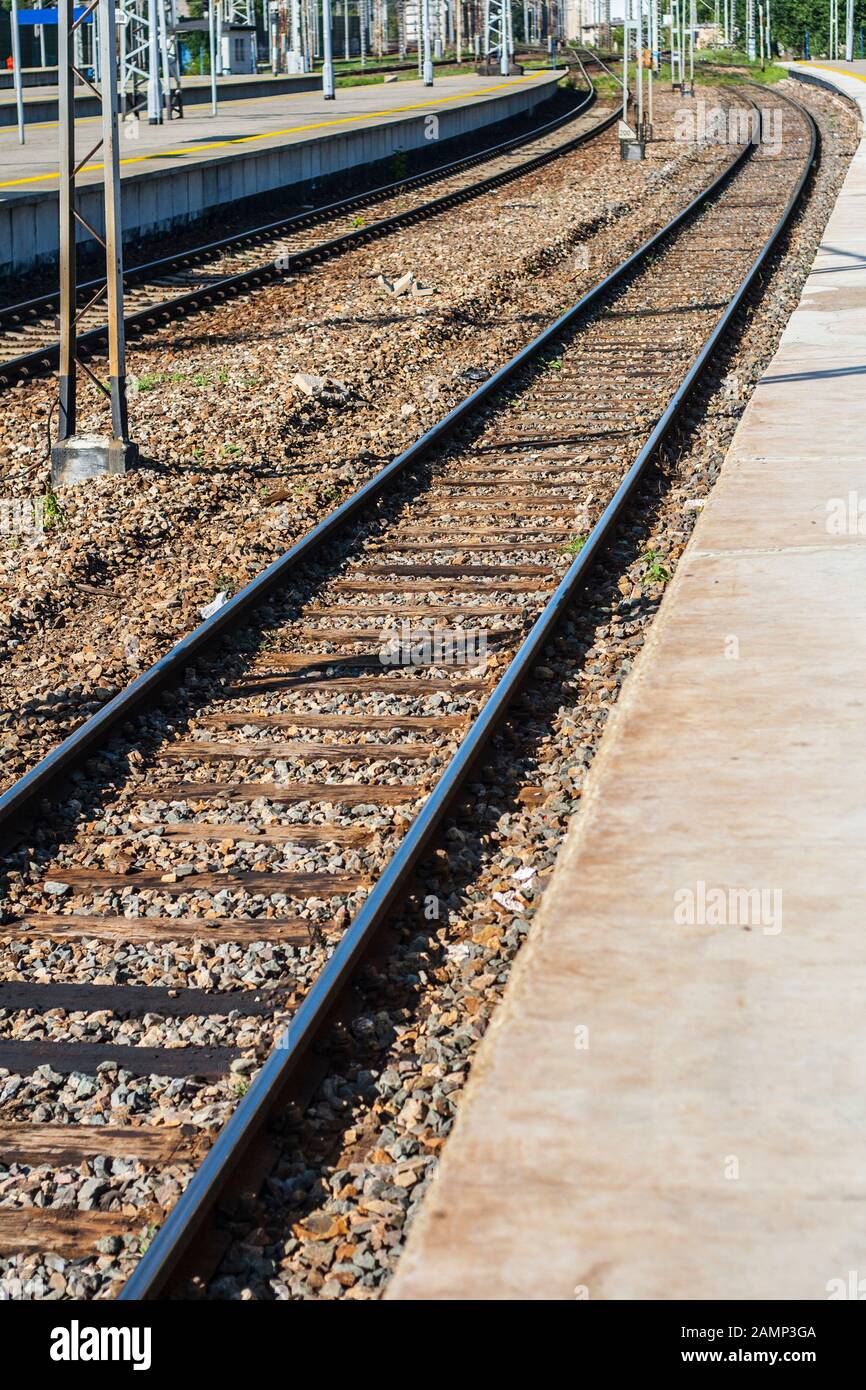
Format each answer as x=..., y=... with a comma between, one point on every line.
x=205, y=888
x=198, y=278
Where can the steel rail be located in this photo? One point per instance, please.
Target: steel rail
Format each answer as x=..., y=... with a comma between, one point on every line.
x=594, y=58
x=169, y=668
x=300, y=220
x=273, y=1081
x=40, y=359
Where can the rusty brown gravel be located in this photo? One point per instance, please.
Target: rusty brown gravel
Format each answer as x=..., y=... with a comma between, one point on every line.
x=129, y=563
x=354, y=1168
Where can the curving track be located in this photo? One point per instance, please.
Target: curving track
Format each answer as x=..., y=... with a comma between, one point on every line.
x=285, y=793
x=180, y=284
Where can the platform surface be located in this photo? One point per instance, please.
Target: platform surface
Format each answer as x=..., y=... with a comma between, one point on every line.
x=670, y=1102
x=258, y=123
x=227, y=85
x=835, y=65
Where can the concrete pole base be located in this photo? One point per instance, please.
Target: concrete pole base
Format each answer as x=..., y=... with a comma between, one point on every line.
x=85, y=456
x=631, y=150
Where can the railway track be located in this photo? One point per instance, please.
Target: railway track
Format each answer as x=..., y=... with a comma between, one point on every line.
x=196, y=279
x=184, y=912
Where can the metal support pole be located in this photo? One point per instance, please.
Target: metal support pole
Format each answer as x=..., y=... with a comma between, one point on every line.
x=273, y=41
x=625, y=49
x=761, y=34
x=428, y=52
x=43, y=61
x=219, y=36
x=113, y=232
x=328, y=88
x=212, y=46
x=154, y=87
x=76, y=458
x=674, y=41
x=849, y=31
x=16, y=71
x=95, y=47
x=637, y=6
x=124, y=33
x=166, y=70
x=296, y=62
x=653, y=16
x=66, y=104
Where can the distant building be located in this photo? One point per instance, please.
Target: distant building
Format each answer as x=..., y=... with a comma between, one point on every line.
x=709, y=36
x=239, y=48
x=585, y=20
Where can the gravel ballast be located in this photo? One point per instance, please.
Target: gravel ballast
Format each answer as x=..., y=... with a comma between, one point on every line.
x=354, y=1169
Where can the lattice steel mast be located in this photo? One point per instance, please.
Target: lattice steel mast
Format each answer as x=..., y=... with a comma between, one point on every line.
x=75, y=457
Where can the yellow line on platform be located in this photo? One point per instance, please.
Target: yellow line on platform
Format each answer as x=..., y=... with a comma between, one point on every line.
x=275, y=134
x=193, y=111
x=842, y=72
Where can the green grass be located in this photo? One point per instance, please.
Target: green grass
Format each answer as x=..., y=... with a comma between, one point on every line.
x=148, y=381
x=575, y=546
x=52, y=512
x=705, y=75
x=746, y=71
x=225, y=585
x=149, y=1233
x=655, y=572
x=708, y=76
x=605, y=86
x=371, y=79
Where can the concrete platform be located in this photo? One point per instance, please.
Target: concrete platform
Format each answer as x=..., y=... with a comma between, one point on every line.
x=833, y=65
x=30, y=77
x=40, y=101
x=671, y=1100
x=180, y=171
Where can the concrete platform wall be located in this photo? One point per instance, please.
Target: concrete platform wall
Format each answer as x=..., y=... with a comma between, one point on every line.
x=30, y=77
x=157, y=201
